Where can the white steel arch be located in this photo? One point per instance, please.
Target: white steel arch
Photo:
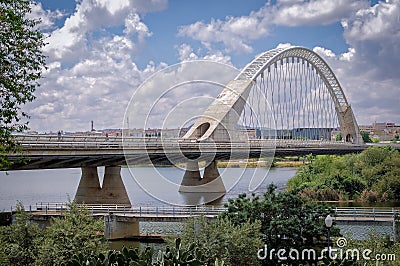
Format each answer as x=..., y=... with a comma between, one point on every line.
x=271, y=57
x=242, y=83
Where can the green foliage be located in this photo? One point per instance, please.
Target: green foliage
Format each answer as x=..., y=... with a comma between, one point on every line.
x=21, y=64
x=125, y=257
x=75, y=240
x=76, y=233
x=287, y=220
x=365, y=137
x=174, y=256
x=339, y=137
x=17, y=240
x=179, y=256
x=221, y=239
x=23, y=243
x=357, y=176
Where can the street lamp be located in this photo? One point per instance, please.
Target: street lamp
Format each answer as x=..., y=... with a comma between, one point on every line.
x=328, y=224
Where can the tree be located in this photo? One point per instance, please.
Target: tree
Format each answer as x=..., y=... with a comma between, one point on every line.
x=370, y=175
x=21, y=64
x=287, y=221
x=365, y=137
x=235, y=244
x=17, y=240
x=76, y=233
x=339, y=137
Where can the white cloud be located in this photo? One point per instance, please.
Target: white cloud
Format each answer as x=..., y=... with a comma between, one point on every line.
x=96, y=89
x=314, y=12
x=349, y=55
x=374, y=33
x=237, y=33
x=234, y=32
x=70, y=42
x=218, y=56
x=46, y=17
x=323, y=51
x=371, y=65
x=284, y=45
x=368, y=71
x=91, y=78
x=186, y=53
x=133, y=25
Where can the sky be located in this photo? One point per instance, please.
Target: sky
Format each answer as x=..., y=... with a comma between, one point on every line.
x=100, y=51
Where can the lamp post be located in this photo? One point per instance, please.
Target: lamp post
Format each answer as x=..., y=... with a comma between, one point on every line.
x=328, y=224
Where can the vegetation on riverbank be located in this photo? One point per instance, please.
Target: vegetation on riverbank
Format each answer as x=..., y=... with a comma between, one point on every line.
x=371, y=176
x=290, y=161
x=279, y=221
x=24, y=243
x=251, y=163
x=287, y=221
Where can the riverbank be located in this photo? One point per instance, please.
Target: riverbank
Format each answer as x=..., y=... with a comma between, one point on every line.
x=292, y=162
x=370, y=176
x=253, y=163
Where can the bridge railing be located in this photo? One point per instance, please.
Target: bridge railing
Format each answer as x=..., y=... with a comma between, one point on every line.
x=102, y=142
x=51, y=208
x=355, y=213
x=366, y=213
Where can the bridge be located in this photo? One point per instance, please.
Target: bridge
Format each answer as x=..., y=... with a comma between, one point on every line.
x=123, y=221
x=287, y=101
x=51, y=151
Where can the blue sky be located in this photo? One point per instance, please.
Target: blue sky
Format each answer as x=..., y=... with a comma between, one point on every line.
x=100, y=51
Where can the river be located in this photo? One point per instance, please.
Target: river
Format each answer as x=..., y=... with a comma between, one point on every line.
x=59, y=185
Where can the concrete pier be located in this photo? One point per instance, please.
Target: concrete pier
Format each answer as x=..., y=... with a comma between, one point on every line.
x=210, y=183
x=191, y=178
x=112, y=192
x=120, y=227
x=89, y=186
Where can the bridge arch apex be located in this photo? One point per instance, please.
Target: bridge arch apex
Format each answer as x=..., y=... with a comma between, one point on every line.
x=267, y=59
x=347, y=121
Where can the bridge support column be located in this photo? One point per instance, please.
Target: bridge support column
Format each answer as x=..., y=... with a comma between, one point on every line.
x=112, y=192
x=212, y=178
x=210, y=183
x=89, y=186
x=191, y=178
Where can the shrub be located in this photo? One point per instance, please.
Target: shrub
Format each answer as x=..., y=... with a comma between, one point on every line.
x=221, y=239
x=369, y=196
x=76, y=233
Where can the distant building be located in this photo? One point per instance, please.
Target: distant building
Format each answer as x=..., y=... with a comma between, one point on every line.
x=366, y=128
x=384, y=131
x=170, y=133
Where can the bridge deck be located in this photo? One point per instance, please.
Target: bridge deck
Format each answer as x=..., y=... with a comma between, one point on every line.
x=47, y=152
